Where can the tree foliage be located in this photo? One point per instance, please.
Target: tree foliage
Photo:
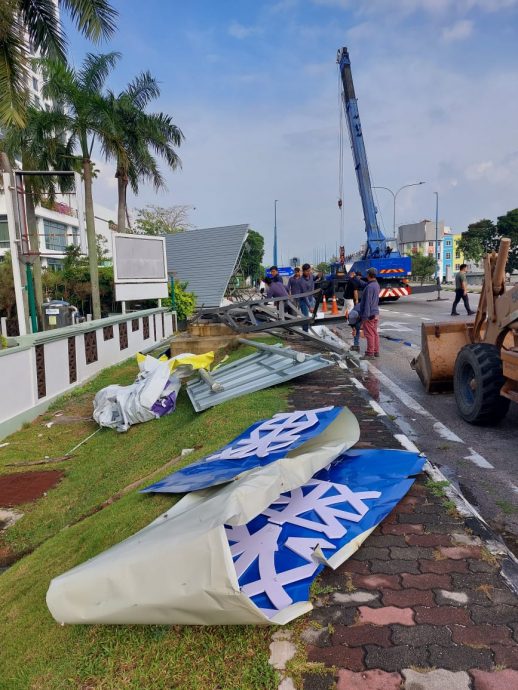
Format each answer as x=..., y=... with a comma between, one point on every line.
x=7, y=296
x=252, y=256
x=480, y=238
x=160, y=220
x=95, y=19
x=484, y=236
x=423, y=267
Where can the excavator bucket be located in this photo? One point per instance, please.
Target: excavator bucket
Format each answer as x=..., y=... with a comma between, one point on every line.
x=440, y=344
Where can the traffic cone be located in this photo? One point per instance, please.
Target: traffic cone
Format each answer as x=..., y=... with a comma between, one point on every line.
x=324, y=305
x=334, y=305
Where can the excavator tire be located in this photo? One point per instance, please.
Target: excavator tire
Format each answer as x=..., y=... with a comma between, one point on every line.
x=477, y=380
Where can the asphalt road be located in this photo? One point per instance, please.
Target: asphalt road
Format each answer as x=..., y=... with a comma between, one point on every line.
x=481, y=461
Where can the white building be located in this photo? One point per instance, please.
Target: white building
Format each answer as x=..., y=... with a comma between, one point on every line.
x=58, y=228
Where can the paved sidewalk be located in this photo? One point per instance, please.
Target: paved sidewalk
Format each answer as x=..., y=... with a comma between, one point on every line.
x=422, y=605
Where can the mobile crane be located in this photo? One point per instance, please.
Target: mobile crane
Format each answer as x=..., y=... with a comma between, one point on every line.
x=393, y=268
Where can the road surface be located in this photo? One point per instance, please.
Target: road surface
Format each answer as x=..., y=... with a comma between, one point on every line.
x=481, y=461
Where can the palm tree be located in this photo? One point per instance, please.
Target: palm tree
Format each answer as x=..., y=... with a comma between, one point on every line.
x=41, y=145
x=132, y=137
x=95, y=19
x=79, y=94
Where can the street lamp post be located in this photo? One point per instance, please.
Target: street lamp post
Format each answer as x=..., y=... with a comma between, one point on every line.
x=394, y=196
x=437, y=276
x=275, y=232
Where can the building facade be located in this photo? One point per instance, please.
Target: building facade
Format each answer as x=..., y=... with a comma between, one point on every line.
x=421, y=238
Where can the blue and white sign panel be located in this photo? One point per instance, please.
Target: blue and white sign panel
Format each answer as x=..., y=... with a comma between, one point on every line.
x=261, y=444
x=284, y=272
x=274, y=554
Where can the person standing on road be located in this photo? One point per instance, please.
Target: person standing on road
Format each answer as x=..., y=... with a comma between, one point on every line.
x=461, y=291
x=368, y=310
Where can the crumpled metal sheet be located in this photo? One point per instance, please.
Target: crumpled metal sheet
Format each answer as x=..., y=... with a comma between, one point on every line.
x=179, y=569
x=253, y=373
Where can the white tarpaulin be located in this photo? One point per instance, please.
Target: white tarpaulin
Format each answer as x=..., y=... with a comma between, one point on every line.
x=180, y=569
x=152, y=395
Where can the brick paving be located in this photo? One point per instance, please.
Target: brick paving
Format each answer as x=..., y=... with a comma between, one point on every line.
x=422, y=604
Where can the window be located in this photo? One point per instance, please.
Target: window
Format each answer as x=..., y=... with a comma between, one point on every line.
x=448, y=255
x=4, y=233
x=55, y=235
x=448, y=243
x=35, y=84
x=37, y=101
x=457, y=253
x=438, y=255
x=457, y=267
x=54, y=265
x=430, y=244
x=76, y=239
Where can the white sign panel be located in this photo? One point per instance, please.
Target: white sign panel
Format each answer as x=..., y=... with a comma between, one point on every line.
x=139, y=267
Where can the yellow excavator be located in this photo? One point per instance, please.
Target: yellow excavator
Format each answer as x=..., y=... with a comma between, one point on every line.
x=479, y=359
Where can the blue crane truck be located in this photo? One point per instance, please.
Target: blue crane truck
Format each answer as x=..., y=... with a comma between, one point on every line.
x=382, y=254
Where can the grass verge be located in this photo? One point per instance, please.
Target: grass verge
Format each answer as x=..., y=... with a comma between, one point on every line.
x=37, y=653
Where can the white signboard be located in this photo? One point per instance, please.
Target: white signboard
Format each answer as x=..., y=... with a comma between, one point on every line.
x=139, y=267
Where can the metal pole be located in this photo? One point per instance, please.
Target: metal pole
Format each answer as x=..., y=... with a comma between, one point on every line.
x=18, y=292
x=211, y=382
x=284, y=352
x=275, y=232
x=32, y=301
x=437, y=237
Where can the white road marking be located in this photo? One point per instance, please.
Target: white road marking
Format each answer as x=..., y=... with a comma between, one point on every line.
x=478, y=460
x=377, y=408
x=406, y=443
x=425, y=318
x=394, y=326
x=514, y=488
x=358, y=384
x=446, y=433
x=414, y=406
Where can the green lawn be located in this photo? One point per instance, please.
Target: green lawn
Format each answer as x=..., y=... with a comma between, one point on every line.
x=63, y=529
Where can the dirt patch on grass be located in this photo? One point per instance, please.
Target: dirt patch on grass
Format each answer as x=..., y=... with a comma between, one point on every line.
x=24, y=487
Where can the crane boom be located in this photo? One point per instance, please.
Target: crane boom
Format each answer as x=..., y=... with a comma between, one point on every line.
x=376, y=241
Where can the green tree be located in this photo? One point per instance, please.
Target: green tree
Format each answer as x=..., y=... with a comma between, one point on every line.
x=323, y=267
x=79, y=94
x=507, y=226
x=40, y=145
x=423, y=267
x=95, y=19
x=160, y=220
x=481, y=237
x=252, y=256
x=133, y=136
x=7, y=296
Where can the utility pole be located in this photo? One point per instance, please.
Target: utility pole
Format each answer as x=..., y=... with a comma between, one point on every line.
x=275, y=232
x=437, y=276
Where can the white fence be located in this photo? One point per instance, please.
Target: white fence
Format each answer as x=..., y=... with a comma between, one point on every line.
x=46, y=365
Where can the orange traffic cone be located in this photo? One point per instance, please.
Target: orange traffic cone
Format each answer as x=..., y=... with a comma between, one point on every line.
x=334, y=305
x=324, y=305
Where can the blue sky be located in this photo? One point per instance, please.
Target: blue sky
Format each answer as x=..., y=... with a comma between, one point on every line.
x=253, y=86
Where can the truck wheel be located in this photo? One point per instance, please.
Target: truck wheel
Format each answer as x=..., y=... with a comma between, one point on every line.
x=477, y=381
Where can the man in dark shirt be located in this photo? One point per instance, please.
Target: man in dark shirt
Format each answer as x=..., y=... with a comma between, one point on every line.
x=294, y=284
x=275, y=288
x=274, y=272
x=368, y=310
x=461, y=291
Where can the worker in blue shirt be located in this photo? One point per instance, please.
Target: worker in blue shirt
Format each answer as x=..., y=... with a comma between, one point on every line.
x=368, y=310
x=274, y=273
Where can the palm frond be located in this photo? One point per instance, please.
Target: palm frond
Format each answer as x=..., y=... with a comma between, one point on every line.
x=13, y=74
x=143, y=89
x=95, y=70
x=96, y=19
x=41, y=21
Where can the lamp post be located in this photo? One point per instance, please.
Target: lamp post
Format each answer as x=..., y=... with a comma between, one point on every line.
x=275, y=232
x=394, y=195
x=437, y=277
x=437, y=237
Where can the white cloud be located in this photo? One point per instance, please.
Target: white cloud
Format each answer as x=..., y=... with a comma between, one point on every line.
x=458, y=31
x=240, y=31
